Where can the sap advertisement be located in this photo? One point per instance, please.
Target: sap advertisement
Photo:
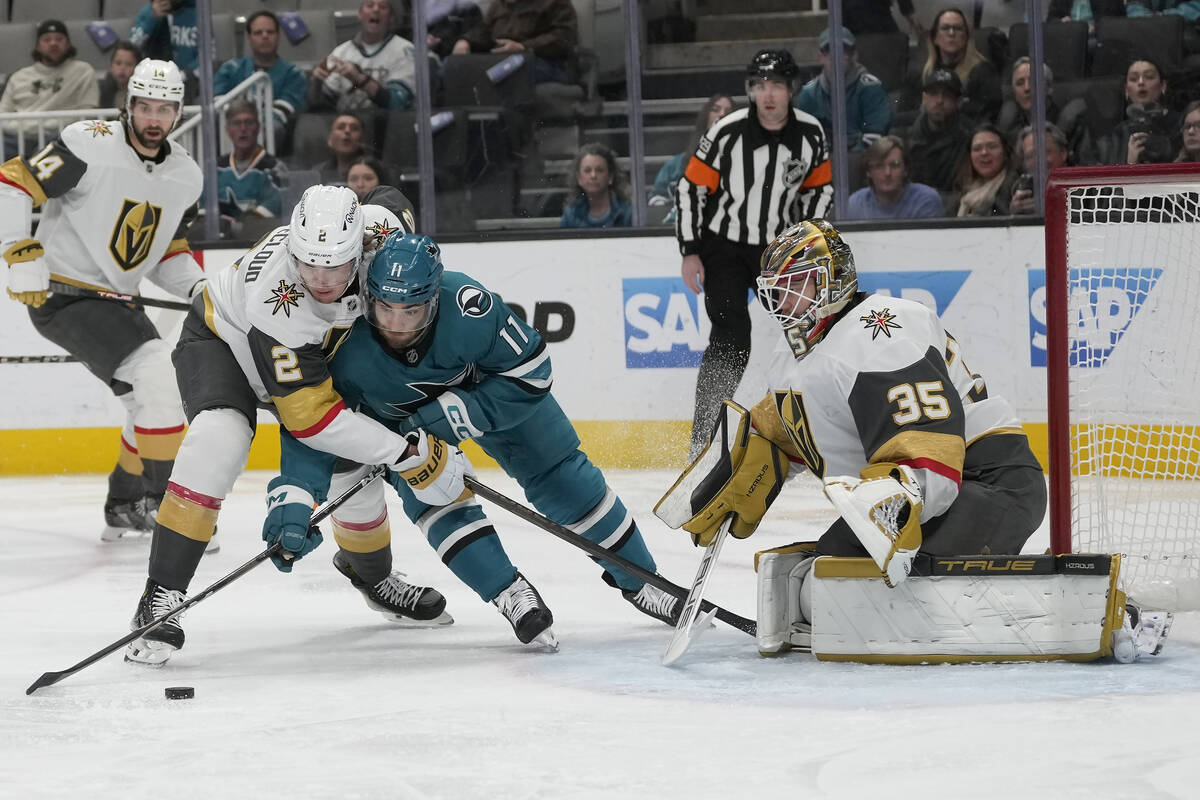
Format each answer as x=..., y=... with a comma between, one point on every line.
x=626, y=336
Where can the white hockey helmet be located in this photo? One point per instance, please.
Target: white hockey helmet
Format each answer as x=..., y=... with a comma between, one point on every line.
x=155, y=80
x=326, y=233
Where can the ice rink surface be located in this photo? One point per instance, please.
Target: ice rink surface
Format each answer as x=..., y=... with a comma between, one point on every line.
x=302, y=692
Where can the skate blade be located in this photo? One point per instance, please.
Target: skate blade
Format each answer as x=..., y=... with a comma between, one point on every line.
x=148, y=653
x=546, y=639
x=213, y=546
x=111, y=534
x=408, y=622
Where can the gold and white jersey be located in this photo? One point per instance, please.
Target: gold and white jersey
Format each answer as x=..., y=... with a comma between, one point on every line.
x=109, y=216
x=282, y=338
x=887, y=383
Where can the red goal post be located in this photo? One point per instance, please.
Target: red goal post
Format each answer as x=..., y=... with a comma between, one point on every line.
x=1123, y=372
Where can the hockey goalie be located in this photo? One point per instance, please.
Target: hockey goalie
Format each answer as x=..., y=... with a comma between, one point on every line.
x=933, y=479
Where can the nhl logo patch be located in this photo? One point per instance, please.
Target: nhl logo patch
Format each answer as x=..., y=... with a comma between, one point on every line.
x=473, y=301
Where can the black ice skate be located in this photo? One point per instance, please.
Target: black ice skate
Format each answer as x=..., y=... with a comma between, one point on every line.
x=654, y=602
x=400, y=601
x=128, y=517
x=524, y=609
x=155, y=646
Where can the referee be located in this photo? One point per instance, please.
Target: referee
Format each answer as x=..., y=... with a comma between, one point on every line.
x=755, y=172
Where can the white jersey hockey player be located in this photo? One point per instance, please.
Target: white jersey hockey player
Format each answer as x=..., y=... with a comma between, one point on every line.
x=259, y=336
x=117, y=199
x=916, y=455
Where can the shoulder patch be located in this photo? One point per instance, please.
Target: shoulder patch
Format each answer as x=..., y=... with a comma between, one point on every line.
x=285, y=297
x=98, y=127
x=473, y=301
x=878, y=322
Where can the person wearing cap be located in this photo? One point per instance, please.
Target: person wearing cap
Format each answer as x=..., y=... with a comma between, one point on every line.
x=756, y=172
x=116, y=199
x=952, y=47
x=939, y=137
x=868, y=107
x=55, y=80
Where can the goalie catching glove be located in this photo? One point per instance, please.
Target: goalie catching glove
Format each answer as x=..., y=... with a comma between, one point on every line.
x=28, y=275
x=883, y=508
x=289, y=509
x=739, y=472
x=433, y=469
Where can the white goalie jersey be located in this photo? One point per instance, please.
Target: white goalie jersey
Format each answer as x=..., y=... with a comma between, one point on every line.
x=282, y=339
x=887, y=383
x=109, y=216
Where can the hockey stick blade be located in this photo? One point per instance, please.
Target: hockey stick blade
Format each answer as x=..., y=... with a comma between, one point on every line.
x=58, y=287
x=743, y=624
x=688, y=629
x=38, y=360
x=51, y=678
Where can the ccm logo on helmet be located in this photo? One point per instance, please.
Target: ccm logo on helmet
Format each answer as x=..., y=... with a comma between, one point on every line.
x=473, y=301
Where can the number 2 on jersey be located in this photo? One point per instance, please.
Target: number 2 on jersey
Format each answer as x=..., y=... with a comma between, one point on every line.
x=286, y=367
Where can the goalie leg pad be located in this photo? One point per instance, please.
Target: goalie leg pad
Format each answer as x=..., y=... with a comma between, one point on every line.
x=739, y=472
x=782, y=622
x=965, y=609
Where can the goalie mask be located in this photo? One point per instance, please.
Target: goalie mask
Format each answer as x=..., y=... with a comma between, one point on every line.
x=156, y=80
x=807, y=277
x=400, y=295
x=325, y=241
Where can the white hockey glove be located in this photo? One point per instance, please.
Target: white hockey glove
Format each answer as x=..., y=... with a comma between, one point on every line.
x=883, y=508
x=434, y=470
x=28, y=275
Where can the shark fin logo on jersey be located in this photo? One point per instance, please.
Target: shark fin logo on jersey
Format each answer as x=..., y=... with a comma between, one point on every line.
x=473, y=301
x=793, y=171
x=133, y=233
x=878, y=322
x=377, y=232
x=285, y=298
x=98, y=128
x=790, y=406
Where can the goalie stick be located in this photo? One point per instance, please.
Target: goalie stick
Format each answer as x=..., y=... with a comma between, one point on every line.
x=58, y=287
x=51, y=678
x=566, y=534
x=63, y=359
x=687, y=631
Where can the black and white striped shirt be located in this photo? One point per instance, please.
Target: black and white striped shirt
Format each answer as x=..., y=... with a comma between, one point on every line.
x=747, y=184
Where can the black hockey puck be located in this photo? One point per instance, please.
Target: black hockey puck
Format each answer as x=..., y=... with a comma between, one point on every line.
x=179, y=692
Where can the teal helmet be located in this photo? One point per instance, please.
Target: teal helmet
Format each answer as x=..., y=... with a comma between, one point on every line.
x=400, y=293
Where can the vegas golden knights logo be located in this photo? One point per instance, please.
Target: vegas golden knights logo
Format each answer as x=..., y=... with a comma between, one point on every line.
x=790, y=406
x=133, y=234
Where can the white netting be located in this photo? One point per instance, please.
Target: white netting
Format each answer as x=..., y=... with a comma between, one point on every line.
x=1133, y=320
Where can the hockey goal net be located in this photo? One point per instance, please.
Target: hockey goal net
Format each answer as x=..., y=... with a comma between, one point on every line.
x=1123, y=364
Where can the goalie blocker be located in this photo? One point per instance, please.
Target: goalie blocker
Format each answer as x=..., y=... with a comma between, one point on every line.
x=951, y=609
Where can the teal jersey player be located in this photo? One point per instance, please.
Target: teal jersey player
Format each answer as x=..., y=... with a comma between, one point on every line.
x=437, y=354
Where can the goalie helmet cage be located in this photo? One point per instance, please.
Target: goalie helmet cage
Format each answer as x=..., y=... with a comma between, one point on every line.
x=1123, y=372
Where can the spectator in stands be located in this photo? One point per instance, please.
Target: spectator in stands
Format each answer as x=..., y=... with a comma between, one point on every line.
x=446, y=21
x=55, y=80
x=1057, y=155
x=124, y=58
x=365, y=173
x=986, y=175
x=1017, y=111
x=345, y=145
x=375, y=69
x=1150, y=132
x=868, y=107
x=951, y=47
x=288, y=84
x=940, y=136
x=666, y=182
x=1191, y=133
x=889, y=194
x=875, y=16
x=166, y=30
x=547, y=27
x=1084, y=11
x=600, y=191
x=248, y=178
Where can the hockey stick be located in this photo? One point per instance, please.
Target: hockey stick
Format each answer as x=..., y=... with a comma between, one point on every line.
x=566, y=534
x=51, y=678
x=685, y=631
x=58, y=287
x=38, y=360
